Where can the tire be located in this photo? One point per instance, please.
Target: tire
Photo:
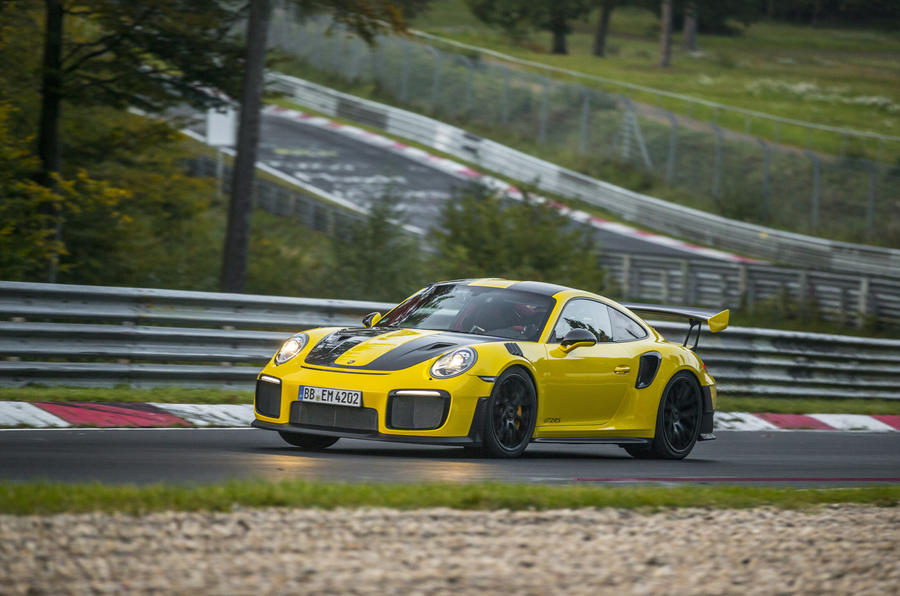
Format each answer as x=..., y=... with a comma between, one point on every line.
x=309, y=442
x=677, y=420
x=511, y=415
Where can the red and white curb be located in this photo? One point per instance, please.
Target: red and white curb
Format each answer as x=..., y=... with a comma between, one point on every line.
x=464, y=172
x=146, y=415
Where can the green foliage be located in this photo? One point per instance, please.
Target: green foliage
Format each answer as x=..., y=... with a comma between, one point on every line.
x=287, y=259
x=29, y=212
x=516, y=17
x=150, y=54
x=41, y=498
x=483, y=237
x=376, y=260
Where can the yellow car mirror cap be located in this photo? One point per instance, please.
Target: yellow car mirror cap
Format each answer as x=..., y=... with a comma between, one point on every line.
x=718, y=322
x=371, y=319
x=580, y=344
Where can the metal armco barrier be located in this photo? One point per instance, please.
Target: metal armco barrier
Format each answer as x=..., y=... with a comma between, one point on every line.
x=105, y=336
x=842, y=299
x=704, y=228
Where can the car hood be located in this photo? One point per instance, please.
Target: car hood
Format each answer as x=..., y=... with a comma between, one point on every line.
x=382, y=348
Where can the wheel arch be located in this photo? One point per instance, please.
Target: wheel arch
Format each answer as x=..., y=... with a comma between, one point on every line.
x=528, y=371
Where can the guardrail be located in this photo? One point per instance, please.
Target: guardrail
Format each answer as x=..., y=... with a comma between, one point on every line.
x=106, y=336
x=844, y=299
x=701, y=227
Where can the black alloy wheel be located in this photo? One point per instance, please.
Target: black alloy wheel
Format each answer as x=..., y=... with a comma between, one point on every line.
x=310, y=442
x=511, y=415
x=677, y=421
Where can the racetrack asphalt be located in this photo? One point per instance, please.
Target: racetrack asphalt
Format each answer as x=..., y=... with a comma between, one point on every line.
x=196, y=456
x=362, y=173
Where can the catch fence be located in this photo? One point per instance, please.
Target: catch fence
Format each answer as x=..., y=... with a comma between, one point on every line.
x=738, y=174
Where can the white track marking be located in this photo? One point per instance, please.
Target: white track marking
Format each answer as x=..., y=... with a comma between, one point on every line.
x=16, y=413
x=852, y=422
x=211, y=414
x=741, y=421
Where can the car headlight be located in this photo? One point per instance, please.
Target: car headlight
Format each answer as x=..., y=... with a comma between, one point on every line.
x=291, y=348
x=454, y=363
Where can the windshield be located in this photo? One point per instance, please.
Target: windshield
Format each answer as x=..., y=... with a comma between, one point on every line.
x=498, y=312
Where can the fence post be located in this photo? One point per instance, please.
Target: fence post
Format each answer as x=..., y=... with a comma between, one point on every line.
x=664, y=280
x=870, y=215
x=743, y=294
x=545, y=106
x=585, y=117
x=626, y=129
x=717, y=168
x=803, y=301
x=814, y=204
x=673, y=145
x=505, y=108
x=631, y=126
x=863, y=308
x=338, y=46
x=767, y=160
x=685, y=281
x=626, y=276
x=436, y=79
x=404, y=76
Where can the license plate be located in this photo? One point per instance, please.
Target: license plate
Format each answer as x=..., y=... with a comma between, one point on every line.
x=336, y=397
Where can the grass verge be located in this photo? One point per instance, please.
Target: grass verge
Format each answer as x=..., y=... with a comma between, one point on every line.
x=45, y=498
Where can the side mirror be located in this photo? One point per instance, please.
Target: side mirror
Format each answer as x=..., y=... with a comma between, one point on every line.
x=577, y=338
x=371, y=318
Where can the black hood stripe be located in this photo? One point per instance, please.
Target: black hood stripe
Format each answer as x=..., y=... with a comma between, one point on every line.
x=413, y=352
x=333, y=345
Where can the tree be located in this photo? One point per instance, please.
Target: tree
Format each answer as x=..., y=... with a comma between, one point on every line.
x=365, y=18
x=665, y=34
x=481, y=236
x=149, y=55
x=690, y=26
x=606, y=8
x=376, y=260
x=513, y=16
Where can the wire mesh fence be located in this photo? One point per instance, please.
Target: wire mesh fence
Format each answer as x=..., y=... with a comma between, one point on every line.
x=721, y=170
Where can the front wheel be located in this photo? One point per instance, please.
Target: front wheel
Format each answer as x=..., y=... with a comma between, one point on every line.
x=677, y=421
x=310, y=442
x=511, y=415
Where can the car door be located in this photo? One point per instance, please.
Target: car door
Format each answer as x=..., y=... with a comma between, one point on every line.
x=585, y=386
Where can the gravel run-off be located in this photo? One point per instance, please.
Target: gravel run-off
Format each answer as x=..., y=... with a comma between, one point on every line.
x=829, y=550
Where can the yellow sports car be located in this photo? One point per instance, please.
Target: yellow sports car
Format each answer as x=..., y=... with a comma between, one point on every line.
x=495, y=364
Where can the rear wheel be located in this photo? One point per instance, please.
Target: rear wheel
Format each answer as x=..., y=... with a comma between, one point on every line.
x=310, y=442
x=677, y=421
x=511, y=415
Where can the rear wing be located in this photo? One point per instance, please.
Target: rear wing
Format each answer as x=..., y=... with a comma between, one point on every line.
x=715, y=320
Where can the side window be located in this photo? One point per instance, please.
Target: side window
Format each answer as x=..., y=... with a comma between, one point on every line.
x=583, y=314
x=624, y=327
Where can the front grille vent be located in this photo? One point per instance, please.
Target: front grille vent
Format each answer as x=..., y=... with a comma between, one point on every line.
x=268, y=399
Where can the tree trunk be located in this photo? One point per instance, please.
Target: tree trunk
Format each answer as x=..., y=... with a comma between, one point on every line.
x=48, y=128
x=559, y=41
x=51, y=94
x=237, y=235
x=606, y=8
x=665, y=37
x=690, y=27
